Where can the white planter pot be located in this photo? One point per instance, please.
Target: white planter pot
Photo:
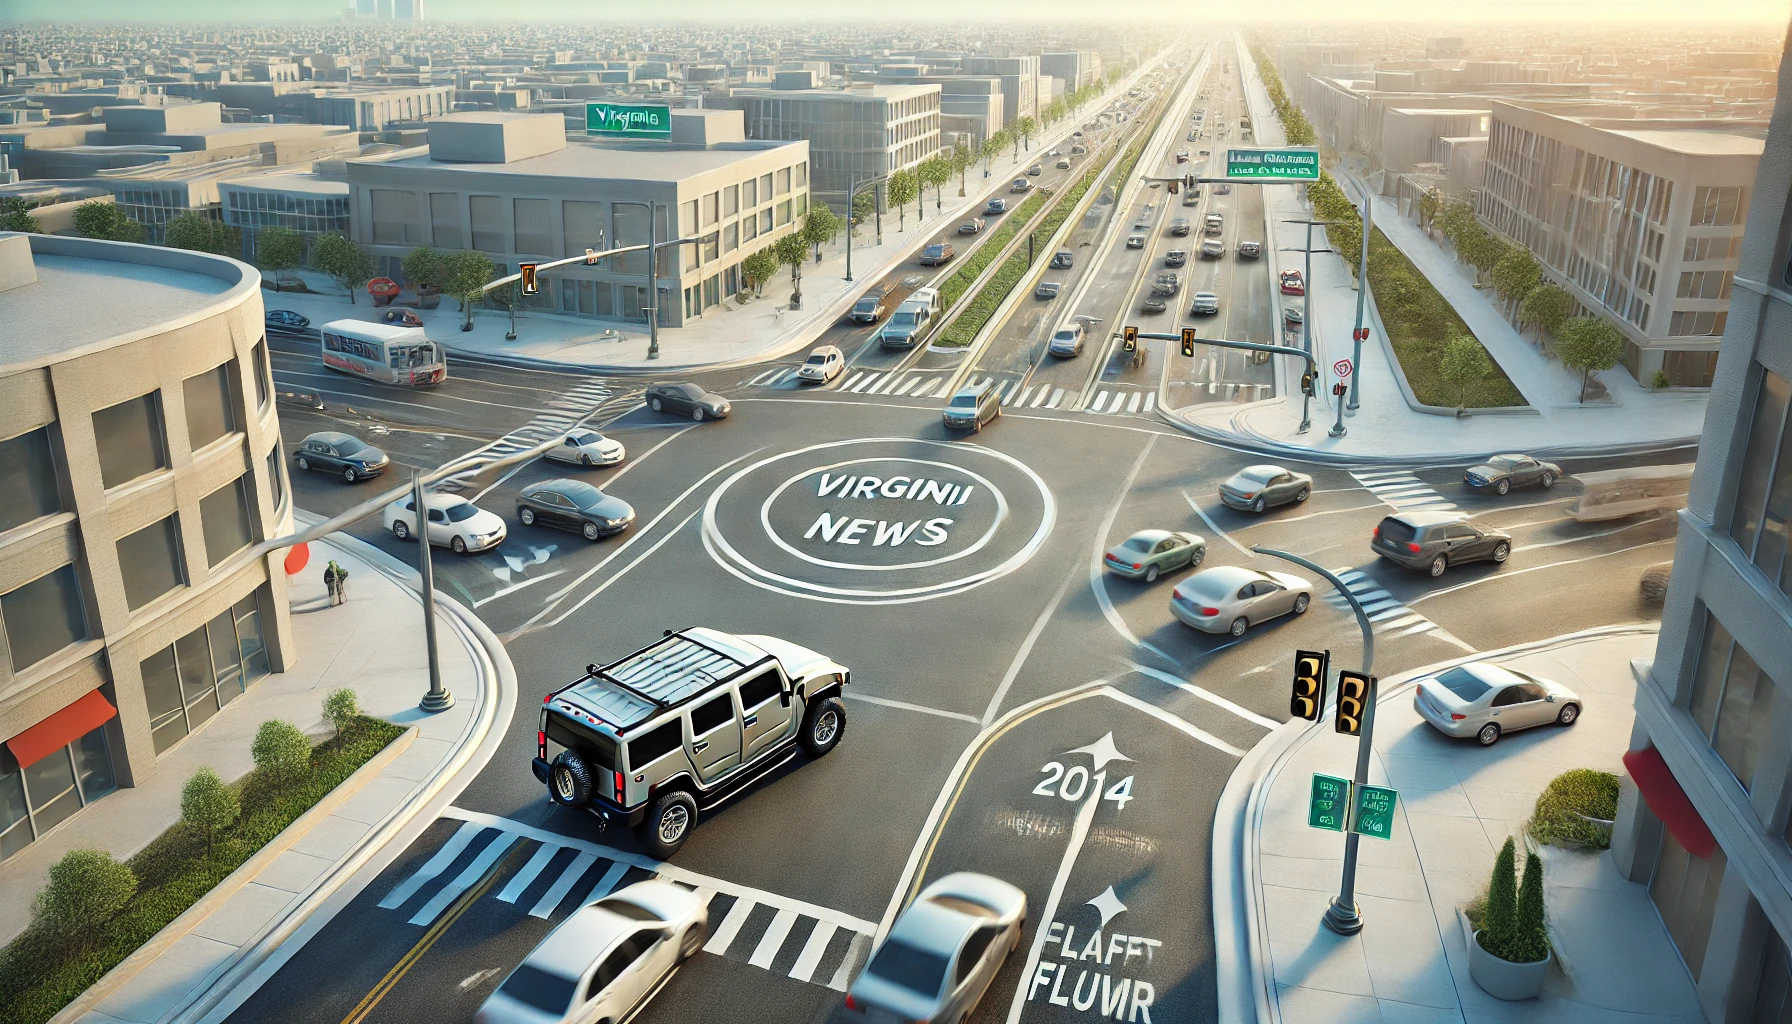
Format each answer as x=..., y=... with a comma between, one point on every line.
x=1503, y=979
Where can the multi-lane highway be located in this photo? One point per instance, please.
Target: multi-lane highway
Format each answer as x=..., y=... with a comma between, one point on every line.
x=1014, y=709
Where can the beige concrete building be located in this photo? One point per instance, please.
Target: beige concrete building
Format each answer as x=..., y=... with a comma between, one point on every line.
x=512, y=187
x=140, y=463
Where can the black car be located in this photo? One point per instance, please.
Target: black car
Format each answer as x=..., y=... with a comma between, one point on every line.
x=1176, y=258
x=1504, y=472
x=332, y=451
x=870, y=308
x=286, y=320
x=1434, y=541
x=573, y=505
x=687, y=399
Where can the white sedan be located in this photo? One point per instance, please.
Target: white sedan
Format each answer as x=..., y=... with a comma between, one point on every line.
x=822, y=366
x=587, y=448
x=605, y=960
x=942, y=953
x=454, y=522
x=1232, y=599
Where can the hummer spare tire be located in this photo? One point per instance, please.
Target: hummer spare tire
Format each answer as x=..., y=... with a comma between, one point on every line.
x=569, y=780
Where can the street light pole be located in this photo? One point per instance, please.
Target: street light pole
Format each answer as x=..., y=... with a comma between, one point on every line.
x=653, y=280
x=1362, y=294
x=437, y=699
x=1342, y=916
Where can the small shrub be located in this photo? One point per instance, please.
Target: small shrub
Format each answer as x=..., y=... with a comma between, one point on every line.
x=1582, y=791
x=1660, y=380
x=86, y=888
x=282, y=754
x=1530, y=940
x=207, y=805
x=342, y=709
x=1500, y=920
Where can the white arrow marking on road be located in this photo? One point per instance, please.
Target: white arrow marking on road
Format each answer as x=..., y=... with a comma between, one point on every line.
x=478, y=976
x=1102, y=750
x=1108, y=906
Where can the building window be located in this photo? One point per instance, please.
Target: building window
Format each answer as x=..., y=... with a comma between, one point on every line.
x=488, y=223
x=130, y=440
x=1732, y=701
x=765, y=219
x=1687, y=323
x=210, y=411
x=444, y=220
x=730, y=200
x=583, y=223
x=765, y=188
x=731, y=238
x=534, y=233
x=629, y=226
x=783, y=181
x=276, y=483
x=43, y=617
x=47, y=792
x=150, y=562
x=1758, y=523
x=396, y=218
x=784, y=212
x=224, y=514
x=28, y=487
x=1684, y=890
x=1716, y=206
x=1773, y=990
x=750, y=193
x=263, y=374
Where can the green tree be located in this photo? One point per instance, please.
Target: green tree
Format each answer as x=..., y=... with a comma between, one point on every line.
x=791, y=251
x=759, y=268
x=1455, y=216
x=1501, y=920
x=207, y=805
x=15, y=215
x=277, y=250
x=991, y=148
x=282, y=754
x=900, y=189
x=465, y=274
x=343, y=260
x=100, y=219
x=424, y=269
x=342, y=708
x=1516, y=275
x=85, y=890
x=936, y=170
x=820, y=225
x=962, y=160
x=864, y=206
x=1428, y=206
x=1026, y=127
x=200, y=233
x=1546, y=306
x=1590, y=344
x=1464, y=364
x=1530, y=934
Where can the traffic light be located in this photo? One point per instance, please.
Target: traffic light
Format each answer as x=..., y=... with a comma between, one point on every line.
x=1308, y=701
x=1188, y=182
x=1360, y=334
x=1174, y=186
x=1306, y=383
x=1353, y=702
x=528, y=270
x=1130, y=340
x=591, y=257
x=1340, y=389
x=1188, y=342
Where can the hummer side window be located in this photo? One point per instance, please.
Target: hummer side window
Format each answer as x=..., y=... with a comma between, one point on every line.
x=759, y=689
x=712, y=716
x=652, y=746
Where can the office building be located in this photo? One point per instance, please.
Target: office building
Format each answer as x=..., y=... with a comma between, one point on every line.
x=140, y=464
x=1640, y=220
x=1020, y=83
x=512, y=187
x=1705, y=811
x=302, y=202
x=1077, y=69
x=853, y=134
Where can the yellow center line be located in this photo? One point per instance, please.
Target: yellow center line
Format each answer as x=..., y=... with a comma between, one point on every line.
x=435, y=932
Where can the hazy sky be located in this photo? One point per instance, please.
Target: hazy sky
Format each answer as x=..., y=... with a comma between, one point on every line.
x=1428, y=11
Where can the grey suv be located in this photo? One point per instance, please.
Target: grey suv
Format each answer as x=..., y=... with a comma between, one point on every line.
x=684, y=725
x=1434, y=541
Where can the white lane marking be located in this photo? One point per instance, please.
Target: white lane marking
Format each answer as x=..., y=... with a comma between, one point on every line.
x=1518, y=508
x=1547, y=565
x=1097, y=577
x=905, y=706
x=1586, y=536
x=866, y=383
x=854, y=379
x=1150, y=401
x=464, y=881
x=629, y=464
x=432, y=867
x=1079, y=833
x=514, y=587
x=1132, y=403
x=1045, y=392
x=1026, y=648
x=605, y=884
x=813, y=951
x=605, y=585
x=927, y=389
x=730, y=926
x=1213, y=526
x=843, y=973
x=1295, y=519
x=467, y=983
x=521, y=879
x=908, y=383
x=1101, y=399
x=562, y=885
x=1402, y=490
x=358, y=398
x=1207, y=695
x=1057, y=396
x=888, y=384
x=772, y=940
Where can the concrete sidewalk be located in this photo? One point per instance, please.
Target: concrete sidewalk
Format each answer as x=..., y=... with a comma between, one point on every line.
x=1458, y=802
x=192, y=966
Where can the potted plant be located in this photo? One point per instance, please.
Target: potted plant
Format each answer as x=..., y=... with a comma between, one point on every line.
x=1510, y=954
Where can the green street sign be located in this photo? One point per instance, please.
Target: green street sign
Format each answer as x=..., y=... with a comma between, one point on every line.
x=1297, y=163
x=1374, y=812
x=630, y=120
x=1329, y=803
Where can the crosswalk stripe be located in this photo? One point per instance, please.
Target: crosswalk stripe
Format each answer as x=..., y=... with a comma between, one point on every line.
x=1425, y=626
x=1057, y=396
x=867, y=382
x=854, y=379
x=606, y=884
x=464, y=881
x=1045, y=392
x=1008, y=392
x=1408, y=619
x=521, y=879
x=1150, y=401
x=848, y=963
x=730, y=926
x=763, y=379
x=773, y=939
x=562, y=885
x=813, y=950
x=927, y=389
x=1132, y=404
x=908, y=384
x=1101, y=399
x=437, y=864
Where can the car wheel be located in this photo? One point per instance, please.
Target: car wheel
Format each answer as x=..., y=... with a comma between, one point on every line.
x=459, y=545
x=1301, y=603
x=1438, y=565
x=669, y=822
x=1259, y=505
x=692, y=942
x=1239, y=625
x=1548, y=481
x=1199, y=557
x=1502, y=487
x=697, y=415
x=654, y=404
x=1151, y=574
x=585, y=460
x=1501, y=551
x=1301, y=495
x=1569, y=714
x=302, y=462
x=823, y=726
x=400, y=530
x=350, y=475
x=526, y=516
x=590, y=531
x=569, y=780
x=1489, y=735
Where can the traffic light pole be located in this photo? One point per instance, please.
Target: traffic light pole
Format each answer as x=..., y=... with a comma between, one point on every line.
x=1342, y=915
x=1306, y=403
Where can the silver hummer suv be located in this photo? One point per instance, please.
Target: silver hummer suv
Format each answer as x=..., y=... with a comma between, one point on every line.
x=683, y=725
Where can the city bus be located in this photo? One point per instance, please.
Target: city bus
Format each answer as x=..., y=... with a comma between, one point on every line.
x=383, y=352
x=1617, y=493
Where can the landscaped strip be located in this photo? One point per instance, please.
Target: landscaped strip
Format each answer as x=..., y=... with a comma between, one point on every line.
x=973, y=265
x=43, y=969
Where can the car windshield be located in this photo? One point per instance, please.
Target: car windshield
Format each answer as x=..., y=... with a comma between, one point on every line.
x=532, y=986
x=591, y=437
x=350, y=445
x=462, y=512
x=1503, y=462
x=690, y=391
x=867, y=303
x=817, y=359
x=1065, y=334
x=914, y=969
x=903, y=318
x=1138, y=544
x=582, y=495
x=963, y=400
x=623, y=908
x=1254, y=476
x=1464, y=684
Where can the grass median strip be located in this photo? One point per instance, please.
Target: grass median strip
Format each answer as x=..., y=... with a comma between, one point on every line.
x=955, y=286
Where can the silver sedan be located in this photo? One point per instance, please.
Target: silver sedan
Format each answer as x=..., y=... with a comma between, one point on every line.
x=943, y=952
x=1232, y=599
x=1487, y=701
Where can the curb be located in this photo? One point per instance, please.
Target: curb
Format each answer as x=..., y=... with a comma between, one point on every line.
x=1241, y=947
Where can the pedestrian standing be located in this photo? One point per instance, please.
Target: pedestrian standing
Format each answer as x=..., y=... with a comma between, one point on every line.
x=336, y=582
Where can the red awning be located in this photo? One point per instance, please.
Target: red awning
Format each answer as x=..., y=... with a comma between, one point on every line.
x=1662, y=792
x=61, y=729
